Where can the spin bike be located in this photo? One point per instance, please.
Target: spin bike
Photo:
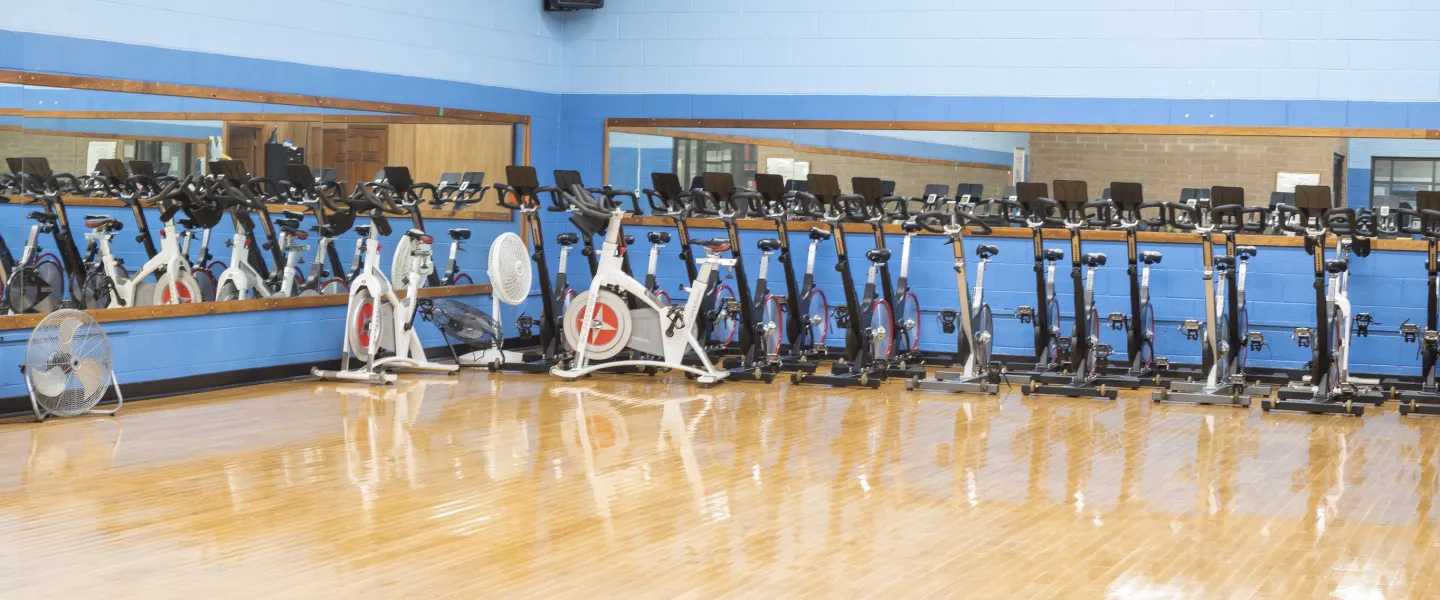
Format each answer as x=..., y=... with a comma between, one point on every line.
x=716, y=328
x=1224, y=336
x=601, y=322
x=756, y=360
x=1085, y=353
x=175, y=283
x=1328, y=388
x=1424, y=221
x=867, y=339
x=901, y=311
x=1139, y=325
x=978, y=374
x=804, y=331
x=377, y=320
x=1033, y=208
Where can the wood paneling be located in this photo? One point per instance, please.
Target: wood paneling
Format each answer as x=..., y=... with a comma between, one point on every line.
x=430, y=150
x=233, y=116
x=786, y=144
x=426, y=212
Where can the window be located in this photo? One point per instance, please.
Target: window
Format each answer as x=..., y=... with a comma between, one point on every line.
x=1404, y=176
x=695, y=157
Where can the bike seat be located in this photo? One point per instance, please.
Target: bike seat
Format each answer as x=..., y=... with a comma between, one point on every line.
x=658, y=237
x=103, y=223
x=878, y=256
x=819, y=234
x=768, y=245
x=288, y=224
x=1224, y=262
x=1151, y=258
x=715, y=245
x=1337, y=266
x=1054, y=254
x=1245, y=252
x=568, y=239
x=363, y=230
x=296, y=233
x=629, y=239
x=186, y=223
x=1092, y=259
x=986, y=251
x=459, y=234
x=42, y=217
x=419, y=236
x=290, y=214
x=910, y=226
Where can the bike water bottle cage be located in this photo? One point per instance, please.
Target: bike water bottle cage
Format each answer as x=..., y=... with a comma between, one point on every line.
x=986, y=251
x=768, y=245
x=878, y=256
x=568, y=238
x=1337, y=266
x=818, y=234
x=1092, y=259
x=459, y=234
x=1245, y=252
x=658, y=237
x=1054, y=255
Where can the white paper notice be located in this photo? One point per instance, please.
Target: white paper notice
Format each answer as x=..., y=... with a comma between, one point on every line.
x=802, y=170
x=1286, y=182
x=784, y=167
x=98, y=150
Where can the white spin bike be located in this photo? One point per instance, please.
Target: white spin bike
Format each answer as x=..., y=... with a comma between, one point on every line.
x=174, y=283
x=377, y=319
x=240, y=281
x=601, y=316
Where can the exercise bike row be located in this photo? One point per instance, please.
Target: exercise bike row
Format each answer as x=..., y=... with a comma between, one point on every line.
x=1390, y=285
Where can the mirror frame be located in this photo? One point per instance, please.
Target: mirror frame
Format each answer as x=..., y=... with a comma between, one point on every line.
x=625, y=124
x=404, y=113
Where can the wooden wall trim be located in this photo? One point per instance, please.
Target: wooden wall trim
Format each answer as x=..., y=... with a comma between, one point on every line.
x=244, y=116
x=1231, y=130
x=773, y=143
x=115, y=136
x=425, y=212
x=1146, y=237
x=214, y=93
x=146, y=313
x=6, y=111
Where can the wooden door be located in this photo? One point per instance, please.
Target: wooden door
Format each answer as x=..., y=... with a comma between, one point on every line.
x=332, y=154
x=243, y=143
x=367, y=151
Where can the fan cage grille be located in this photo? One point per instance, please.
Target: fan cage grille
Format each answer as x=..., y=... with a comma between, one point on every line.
x=68, y=363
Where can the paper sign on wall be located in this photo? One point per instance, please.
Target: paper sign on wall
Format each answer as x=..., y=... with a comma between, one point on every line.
x=1286, y=182
x=802, y=170
x=784, y=167
x=95, y=151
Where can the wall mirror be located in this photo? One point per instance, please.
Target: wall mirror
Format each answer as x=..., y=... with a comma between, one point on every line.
x=100, y=129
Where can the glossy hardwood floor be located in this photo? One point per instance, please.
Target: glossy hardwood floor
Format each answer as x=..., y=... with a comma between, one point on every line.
x=522, y=486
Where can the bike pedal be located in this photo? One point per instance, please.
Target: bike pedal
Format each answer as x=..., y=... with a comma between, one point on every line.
x=1256, y=339
x=947, y=320
x=1303, y=336
x=1025, y=314
x=1362, y=324
x=1191, y=327
x=1118, y=321
x=1410, y=331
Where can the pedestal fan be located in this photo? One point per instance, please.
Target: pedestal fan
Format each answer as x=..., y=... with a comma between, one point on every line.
x=510, y=277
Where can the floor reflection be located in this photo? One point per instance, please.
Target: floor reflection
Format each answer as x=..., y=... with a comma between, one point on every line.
x=491, y=486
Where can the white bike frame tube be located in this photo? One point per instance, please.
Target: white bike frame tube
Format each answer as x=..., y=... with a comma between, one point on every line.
x=979, y=296
x=967, y=310
x=565, y=259
x=655, y=259
x=905, y=256
x=810, y=257
x=764, y=266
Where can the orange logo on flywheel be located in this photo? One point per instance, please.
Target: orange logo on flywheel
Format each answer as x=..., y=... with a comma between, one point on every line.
x=604, y=325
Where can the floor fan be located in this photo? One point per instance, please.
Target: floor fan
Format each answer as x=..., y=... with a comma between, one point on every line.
x=68, y=366
x=510, y=279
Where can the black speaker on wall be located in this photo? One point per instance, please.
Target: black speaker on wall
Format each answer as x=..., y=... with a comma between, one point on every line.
x=563, y=5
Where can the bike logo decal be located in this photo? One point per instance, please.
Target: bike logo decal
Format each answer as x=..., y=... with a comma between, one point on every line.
x=362, y=322
x=604, y=325
x=182, y=290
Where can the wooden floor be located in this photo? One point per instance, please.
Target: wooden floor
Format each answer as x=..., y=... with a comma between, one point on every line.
x=522, y=486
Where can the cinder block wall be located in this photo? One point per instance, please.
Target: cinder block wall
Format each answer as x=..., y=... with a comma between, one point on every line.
x=1165, y=164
